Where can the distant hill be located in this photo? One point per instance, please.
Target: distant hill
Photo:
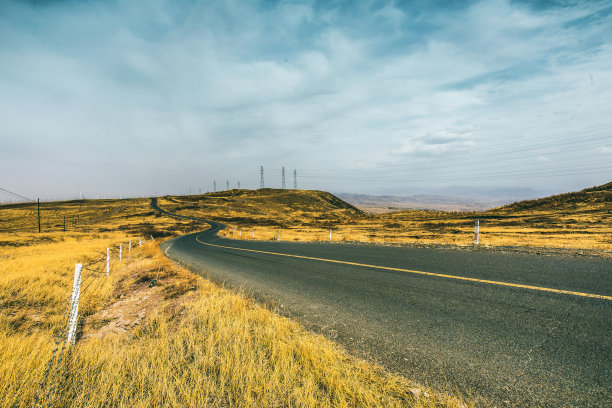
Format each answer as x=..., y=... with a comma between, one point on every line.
x=490, y=193
x=267, y=206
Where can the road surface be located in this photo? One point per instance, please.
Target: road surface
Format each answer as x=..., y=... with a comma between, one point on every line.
x=454, y=320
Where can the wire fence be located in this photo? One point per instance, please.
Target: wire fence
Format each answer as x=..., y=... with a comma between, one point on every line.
x=87, y=280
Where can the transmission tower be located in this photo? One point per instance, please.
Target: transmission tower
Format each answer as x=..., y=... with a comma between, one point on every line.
x=294, y=179
x=239, y=184
x=283, y=173
x=261, y=178
x=215, y=186
x=227, y=184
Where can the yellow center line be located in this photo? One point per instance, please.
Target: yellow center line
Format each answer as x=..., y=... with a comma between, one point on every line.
x=439, y=275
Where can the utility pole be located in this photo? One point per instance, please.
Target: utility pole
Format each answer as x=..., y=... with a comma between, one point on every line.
x=215, y=186
x=239, y=184
x=294, y=179
x=283, y=175
x=261, y=177
x=227, y=184
x=38, y=208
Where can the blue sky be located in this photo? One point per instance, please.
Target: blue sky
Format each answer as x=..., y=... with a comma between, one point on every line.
x=137, y=97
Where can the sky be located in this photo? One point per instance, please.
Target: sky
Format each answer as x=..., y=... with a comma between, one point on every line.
x=135, y=98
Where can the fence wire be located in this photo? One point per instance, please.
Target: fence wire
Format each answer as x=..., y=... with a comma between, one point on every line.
x=55, y=371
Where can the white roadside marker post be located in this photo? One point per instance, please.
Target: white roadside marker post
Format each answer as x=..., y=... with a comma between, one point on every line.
x=278, y=237
x=240, y=233
x=107, y=261
x=253, y=234
x=120, y=251
x=139, y=242
x=476, y=232
x=130, y=246
x=330, y=232
x=74, y=304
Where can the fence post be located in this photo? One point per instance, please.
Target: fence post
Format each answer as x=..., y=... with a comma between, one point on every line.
x=74, y=304
x=330, y=232
x=476, y=232
x=120, y=251
x=107, y=261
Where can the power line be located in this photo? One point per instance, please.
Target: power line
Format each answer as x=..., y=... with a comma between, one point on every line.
x=491, y=155
x=505, y=174
x=17, y=195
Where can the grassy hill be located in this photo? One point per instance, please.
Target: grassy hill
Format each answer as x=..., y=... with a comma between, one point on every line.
x=596, y=198
x=578, y=220
x=266, y=207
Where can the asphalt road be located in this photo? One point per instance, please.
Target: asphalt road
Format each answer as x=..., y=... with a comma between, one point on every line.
x=503, y=345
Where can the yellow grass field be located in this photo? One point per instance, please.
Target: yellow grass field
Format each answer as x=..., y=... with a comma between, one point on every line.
x=153, y=334
x=580, y=221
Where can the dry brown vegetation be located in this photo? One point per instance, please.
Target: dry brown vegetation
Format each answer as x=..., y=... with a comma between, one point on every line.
x=153, y=334
x=580, y=220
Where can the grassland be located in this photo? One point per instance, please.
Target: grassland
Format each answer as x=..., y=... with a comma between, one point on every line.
x=153, y=334
x=580, y=220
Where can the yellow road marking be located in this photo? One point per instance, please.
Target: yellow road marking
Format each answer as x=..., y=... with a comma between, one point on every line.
x=439, y=275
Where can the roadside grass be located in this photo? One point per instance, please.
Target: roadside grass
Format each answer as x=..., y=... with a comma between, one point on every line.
x=192, y=342
x=579, y=220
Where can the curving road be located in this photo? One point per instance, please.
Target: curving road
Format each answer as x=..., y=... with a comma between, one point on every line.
x=454, y=320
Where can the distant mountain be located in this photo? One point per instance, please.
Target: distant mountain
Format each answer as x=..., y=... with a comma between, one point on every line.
x=497, y=193
x=385, y=203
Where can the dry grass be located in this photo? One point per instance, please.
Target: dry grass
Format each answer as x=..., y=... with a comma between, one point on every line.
x=153, y=334
x=575, y=220
x=130, y=216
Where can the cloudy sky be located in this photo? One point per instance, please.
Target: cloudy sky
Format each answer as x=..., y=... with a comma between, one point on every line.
x=160, y=96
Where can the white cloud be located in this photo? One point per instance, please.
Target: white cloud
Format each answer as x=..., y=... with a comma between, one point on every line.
x=224, y=87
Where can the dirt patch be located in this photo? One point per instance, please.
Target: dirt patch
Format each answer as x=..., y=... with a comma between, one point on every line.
x=125, y=314
x=149, y=289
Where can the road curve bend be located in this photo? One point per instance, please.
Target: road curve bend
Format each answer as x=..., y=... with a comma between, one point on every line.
x=506, y=329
